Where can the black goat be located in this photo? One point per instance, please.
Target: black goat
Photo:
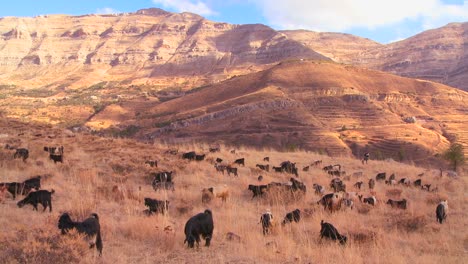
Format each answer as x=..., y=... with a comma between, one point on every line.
x=292, y=216
x=16, y=188
x=21, y=153
x=200, y=224
x=34, y=182
x=90, y=227
x=257, y=190
x=43, y=197
x=156, y=206
x=267, y=222
x=329, y=231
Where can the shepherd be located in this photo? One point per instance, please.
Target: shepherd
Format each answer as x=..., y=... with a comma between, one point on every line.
x=366, y=158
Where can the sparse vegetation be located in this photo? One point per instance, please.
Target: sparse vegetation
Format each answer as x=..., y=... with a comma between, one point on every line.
x=97, y=86
x=455, y=155
x=93, y=165
x=36, y=93
x=126, y=132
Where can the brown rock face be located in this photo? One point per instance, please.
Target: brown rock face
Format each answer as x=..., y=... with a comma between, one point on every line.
x=146, y=45
x=337, y=46
x=438, y=55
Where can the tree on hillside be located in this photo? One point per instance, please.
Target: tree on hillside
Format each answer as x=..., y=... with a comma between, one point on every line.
x=455, y=155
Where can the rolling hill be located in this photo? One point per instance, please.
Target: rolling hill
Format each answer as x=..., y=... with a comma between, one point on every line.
x=322, y=106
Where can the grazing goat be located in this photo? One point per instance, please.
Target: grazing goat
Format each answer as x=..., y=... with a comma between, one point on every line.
x=338, y=185
x=391, y=182
x=42, y=197
x=381, y=176
x=257, y=190
x=358, y=185
x=189, y=155
x=369, y=200
x=152, y=163
x=200, y=157
x=220, y=168
x=404, y=181
x=15, y=188
x=200, y=224
x=240, y=161
x=398, y=204
x=33, y=183
x=277, y=169
x=426, y=187
x=292, y=216
x=347, y=203
x=289, y=167
x=442, y=211
x=297, y=185
x=266, y=159
x=55, y=153
x=319, y=189
x=417, y=182
x=90, y=227
x=21, y=153
x=221, y=192
x=156, y=206
x=232, y=170
x=165, y=176
x=215, y=149
x=331, y=201
x=263, y=167
x=317, y=162
x=329, y=231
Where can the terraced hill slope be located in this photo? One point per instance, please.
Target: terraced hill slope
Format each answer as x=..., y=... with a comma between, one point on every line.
x=327, y=107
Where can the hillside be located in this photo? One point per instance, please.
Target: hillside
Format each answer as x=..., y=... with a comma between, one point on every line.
x=150, y=46
x=94, y=166
x=326, y=107
x=156, y=75
x=337, y=46
x=438, y=54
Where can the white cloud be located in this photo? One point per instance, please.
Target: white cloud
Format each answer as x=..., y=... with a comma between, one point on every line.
x=193, y=6
x=340, y=15
x=107, y=11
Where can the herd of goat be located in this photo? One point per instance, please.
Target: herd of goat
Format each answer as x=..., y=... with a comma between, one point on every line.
x=201, y=225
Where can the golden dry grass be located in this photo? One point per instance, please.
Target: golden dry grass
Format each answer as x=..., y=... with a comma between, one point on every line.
x=83, y=184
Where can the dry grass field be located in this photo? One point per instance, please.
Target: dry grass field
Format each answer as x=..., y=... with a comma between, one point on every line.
x=83, y=184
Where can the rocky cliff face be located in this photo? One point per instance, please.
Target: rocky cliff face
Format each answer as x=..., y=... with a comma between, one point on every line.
x=156, y=47
x=146, y=45
x=439, y=55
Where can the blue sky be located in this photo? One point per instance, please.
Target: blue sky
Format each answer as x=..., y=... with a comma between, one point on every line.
x=381, y=20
